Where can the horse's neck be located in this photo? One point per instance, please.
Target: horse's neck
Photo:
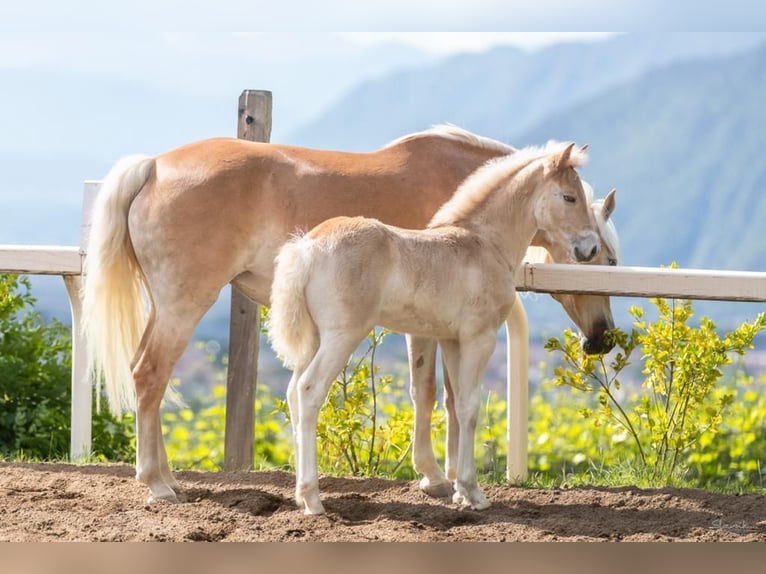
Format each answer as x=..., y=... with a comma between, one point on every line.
x=507, y=221
x=454, y=152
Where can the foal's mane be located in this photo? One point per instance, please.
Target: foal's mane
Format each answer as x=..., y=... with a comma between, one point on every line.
x=482, y=183
x=453, y=132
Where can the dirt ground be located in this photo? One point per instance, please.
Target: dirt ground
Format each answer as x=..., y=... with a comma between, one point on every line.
x=47, y=502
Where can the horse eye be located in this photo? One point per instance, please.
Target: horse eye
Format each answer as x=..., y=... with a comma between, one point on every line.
x=569, y=198
x=612, y=261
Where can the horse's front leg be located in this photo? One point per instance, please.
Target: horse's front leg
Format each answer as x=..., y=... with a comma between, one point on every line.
x=453, y=427
x=469, y=360
x=422, y=360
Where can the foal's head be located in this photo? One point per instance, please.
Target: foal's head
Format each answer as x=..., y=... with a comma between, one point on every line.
x=566, y=226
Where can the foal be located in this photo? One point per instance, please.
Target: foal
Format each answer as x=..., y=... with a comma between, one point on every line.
x=452, y=282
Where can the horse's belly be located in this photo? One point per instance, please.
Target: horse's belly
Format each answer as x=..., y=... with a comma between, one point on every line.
x=404, y=318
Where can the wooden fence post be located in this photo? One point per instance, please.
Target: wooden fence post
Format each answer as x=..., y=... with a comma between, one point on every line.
x=254, y=124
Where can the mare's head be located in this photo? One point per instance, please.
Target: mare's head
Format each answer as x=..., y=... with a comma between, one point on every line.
x=591, y=313
x=566, y=225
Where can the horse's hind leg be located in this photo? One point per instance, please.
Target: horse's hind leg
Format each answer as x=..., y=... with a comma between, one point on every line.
x=312, y=387
x=165, y=472
x=422, y=359
x=453, y=426
x=165, y=341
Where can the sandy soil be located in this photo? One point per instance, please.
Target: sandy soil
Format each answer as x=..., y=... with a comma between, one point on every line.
x=45, y=502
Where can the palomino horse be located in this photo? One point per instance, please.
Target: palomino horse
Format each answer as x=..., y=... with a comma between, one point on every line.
x=452, y=282
x=185, y=223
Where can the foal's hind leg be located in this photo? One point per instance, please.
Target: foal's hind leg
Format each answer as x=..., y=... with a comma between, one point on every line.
x=292, y=402
x=312, y=388
x=422, y=359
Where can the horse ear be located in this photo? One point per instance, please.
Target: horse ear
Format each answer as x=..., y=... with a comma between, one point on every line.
x=583, y=148
x=609, y=204
x=562, y=160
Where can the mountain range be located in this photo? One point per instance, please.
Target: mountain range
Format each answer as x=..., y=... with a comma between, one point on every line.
x=674, y=122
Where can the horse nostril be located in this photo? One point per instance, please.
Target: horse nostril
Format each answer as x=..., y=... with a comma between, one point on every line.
x=581, y=255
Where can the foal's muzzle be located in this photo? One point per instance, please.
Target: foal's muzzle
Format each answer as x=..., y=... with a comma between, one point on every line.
x=586, y=248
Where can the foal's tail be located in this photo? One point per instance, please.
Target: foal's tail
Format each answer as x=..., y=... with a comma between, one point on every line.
x=291, y=328
x=114, y=313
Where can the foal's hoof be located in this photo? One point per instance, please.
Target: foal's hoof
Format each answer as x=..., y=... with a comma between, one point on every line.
x=313, y=508
x=436, y=489
x=475, y=501
x=309, y=500
x=175, y=487
x=169, y=496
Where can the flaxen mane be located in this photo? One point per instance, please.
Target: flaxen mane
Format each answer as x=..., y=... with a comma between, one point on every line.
x=484, y=181
x=607, y=229
x=456, y=133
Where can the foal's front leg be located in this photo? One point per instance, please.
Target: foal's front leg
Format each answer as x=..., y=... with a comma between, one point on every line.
x=422, y=359
x=469, y=360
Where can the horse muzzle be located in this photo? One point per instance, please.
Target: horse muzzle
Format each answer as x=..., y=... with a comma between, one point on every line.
x=597, y=343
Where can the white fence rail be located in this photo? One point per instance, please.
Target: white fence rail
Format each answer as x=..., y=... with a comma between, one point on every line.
x=705, y=284
x=542, y=278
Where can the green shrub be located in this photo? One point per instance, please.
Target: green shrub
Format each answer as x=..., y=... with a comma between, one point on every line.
x=734, y=455
x=682, y=404
x=35, y=385
x=365, y=425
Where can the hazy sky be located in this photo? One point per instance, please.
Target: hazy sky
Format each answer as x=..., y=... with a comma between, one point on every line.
x=90, y=47
x=378, y=15
x=450, y=42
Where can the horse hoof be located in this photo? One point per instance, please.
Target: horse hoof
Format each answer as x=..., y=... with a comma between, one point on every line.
x=313, y=508
x=436, y=489
x=475, y=502
x=308, y=499
x=175, y=487
x=482, y=504
x=169, y=496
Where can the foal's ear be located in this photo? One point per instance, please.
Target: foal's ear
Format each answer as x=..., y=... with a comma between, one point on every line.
x=607, y=208
x=562, y=160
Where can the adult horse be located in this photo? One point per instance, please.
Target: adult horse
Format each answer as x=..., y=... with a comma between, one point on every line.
x=183, y=224
x=452, y=282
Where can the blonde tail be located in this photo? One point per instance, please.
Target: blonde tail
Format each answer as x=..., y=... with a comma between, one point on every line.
x=291, y=328
x=114, y=313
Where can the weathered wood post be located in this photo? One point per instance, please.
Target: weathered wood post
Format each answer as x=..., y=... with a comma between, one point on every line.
x=254, y=124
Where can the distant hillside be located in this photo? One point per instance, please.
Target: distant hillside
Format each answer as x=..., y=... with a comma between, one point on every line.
x=503, y=92
x=684, y=145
